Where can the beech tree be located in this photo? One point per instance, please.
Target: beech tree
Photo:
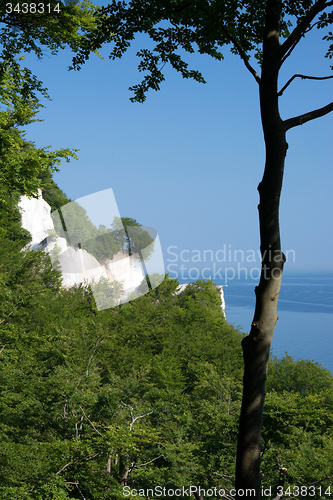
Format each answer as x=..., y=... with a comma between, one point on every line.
x=267, y=31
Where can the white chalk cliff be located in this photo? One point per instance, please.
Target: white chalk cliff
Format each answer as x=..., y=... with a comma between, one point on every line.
x=76, y=264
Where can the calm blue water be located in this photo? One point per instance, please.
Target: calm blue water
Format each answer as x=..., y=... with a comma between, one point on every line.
x=305, y=326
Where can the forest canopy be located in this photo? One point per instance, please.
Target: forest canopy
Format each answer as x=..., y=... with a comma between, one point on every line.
x=145, y=394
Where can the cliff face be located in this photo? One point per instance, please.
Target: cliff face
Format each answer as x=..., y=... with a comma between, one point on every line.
x=77, y=265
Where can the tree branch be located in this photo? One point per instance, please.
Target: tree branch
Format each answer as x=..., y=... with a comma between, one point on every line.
x=77, y=462
x=9, y=314
x=150, y=461
x=304, y=77
x=64, y=467
x=242, y=55
x=91, y=357
x=238, y=48
x=288, y=46
x=133, y=466
x=306, y=117
x=90, y=422
x=136, y=418
x=321, y=480
x=81, y=494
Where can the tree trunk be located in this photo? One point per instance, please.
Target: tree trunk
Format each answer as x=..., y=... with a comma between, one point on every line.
x=123, y=471
x=197, y=496
x=256, y=346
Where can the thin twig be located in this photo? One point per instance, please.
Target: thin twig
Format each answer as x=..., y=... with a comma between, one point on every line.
x=78, y=462
x=321, y=480
x=64, y=467
x=153, y=460
x=90, y=422
x=239, y=49
x=77, y=486
x=9, y=315
x=91, y=357
x=242, y=55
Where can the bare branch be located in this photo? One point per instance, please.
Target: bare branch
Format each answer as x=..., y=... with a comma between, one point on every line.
x=137, y=418
x=134, y=419
x=127, y=406
x=3, y=348
x=91, y=357
x=64, y=467
x=77, y=462
x=9, y=315
x=90, y=422
x=80, y=492
x=304, y=77
x=153, y=460
x=311, y=27
x=306, y=117
x=321, y=480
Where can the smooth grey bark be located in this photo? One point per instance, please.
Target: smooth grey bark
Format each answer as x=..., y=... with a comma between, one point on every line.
x=256, y=346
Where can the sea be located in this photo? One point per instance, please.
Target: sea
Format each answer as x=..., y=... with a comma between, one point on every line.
x=304, y=329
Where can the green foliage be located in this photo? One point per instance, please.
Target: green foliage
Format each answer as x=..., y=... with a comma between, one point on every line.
x=10, y=220
x=298, y=424
x=51, y=192
x=21, y=162
x=301, y=376
x=297, y=438
x=130, y=236
x=176, y=28
x=37, y=32
x=103, y=243
x=74, y=381
x=149, y=391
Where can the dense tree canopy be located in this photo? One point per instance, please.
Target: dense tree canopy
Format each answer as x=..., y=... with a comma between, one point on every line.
x=140, y=395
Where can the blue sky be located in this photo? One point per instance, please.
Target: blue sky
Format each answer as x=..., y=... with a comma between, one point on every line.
x=187, y=162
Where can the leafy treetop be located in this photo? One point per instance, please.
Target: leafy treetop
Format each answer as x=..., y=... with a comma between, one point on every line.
x=204, y=25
